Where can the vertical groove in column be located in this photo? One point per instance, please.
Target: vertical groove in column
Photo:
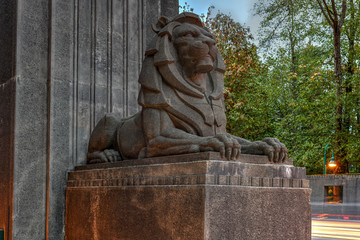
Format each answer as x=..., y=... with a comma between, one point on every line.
x=92, y=64
x=48, y=131
x=141, y=34
x=160, y=10
x=109, y=55
x=75, y=82
x=143, y=28
x=125, y=56
x=143, y=40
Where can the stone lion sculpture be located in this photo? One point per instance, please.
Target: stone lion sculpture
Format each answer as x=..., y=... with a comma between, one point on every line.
x=181, y=95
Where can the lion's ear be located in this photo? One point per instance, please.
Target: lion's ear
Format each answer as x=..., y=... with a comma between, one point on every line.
x=160, y=24
x=189, y=17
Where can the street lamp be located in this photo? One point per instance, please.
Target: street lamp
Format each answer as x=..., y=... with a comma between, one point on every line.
x=332, y=162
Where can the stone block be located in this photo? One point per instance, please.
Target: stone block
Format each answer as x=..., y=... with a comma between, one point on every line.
x=180, y=199
x=153, y=212
x=296, y=183
x=234, y=180
x=246, y=181
x=305, y=183
x=223, y=180
x=277, y=182
x=256, y=213
x=255, y=181
x=211, y=179
x=267, y=182
x=286, y=182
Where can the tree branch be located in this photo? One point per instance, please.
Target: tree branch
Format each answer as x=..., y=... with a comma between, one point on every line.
x=350, y=32
x=324, y=13
x=343, y=12
x=333, y=6
x=331, y=14
x=273, y=32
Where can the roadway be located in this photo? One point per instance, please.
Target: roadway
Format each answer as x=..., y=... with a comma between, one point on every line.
x=323, y=229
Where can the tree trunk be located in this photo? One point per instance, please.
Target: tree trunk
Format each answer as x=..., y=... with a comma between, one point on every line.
x=339, y=138
x=338, y=77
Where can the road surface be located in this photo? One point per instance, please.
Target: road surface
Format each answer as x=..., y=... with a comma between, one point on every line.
x=323, y=229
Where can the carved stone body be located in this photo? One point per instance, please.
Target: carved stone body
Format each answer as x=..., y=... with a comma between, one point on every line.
x=182, y=103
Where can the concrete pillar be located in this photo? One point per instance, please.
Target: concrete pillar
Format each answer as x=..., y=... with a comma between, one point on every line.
x=63, y=64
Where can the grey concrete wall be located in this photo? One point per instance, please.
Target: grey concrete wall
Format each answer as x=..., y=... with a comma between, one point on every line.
x=351, y=194
x=7, y=101
x=31, y=120
x=71, y=61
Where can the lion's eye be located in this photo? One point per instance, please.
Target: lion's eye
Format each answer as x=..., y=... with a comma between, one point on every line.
x=188, y=34
x=210, y=36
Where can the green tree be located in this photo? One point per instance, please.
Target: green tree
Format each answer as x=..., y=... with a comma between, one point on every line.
x=295, y=92
x=295, y=77
x=320, y=91
x=335, y=16
x=284, y=23
x=351, y=79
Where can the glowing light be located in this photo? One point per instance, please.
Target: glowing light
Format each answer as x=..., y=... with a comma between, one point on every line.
x=332, y=165
x=332, y=162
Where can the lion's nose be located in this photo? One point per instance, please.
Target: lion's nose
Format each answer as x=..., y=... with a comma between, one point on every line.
x=208, y=41
x=200, y=45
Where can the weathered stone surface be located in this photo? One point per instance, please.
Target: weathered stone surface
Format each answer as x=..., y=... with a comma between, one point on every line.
x=257, y=213
x=156, y=212
x=188, y=212
x=181, y=96
x=31, y=121
x=199, y=168
x=170, y=198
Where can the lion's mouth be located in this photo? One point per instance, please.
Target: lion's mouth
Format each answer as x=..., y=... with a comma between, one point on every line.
x=204, y=65
x=204, y=68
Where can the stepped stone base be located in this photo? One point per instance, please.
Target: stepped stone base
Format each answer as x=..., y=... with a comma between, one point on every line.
x=192, y=196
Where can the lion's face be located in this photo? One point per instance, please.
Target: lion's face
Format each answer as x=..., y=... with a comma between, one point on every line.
x=196, y=50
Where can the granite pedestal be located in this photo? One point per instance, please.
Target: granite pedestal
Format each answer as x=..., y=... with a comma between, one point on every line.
x=194, y=196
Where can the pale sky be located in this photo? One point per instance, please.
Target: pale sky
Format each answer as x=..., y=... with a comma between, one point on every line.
x=240, y=10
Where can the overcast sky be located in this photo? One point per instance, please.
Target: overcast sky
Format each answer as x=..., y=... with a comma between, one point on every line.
x=240, y=10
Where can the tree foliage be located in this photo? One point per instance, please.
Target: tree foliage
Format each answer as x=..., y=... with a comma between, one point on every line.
x=305, y=87
x=322, y=87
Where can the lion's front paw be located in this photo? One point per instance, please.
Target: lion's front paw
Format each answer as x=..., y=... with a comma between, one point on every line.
x=274, y=149
x=108, y=155
x=228, y=147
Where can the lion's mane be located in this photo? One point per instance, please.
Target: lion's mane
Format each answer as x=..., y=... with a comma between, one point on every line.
x=164, y=87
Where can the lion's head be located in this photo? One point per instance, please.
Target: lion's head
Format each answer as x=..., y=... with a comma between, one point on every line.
x=185, y=54
x=196, y=50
